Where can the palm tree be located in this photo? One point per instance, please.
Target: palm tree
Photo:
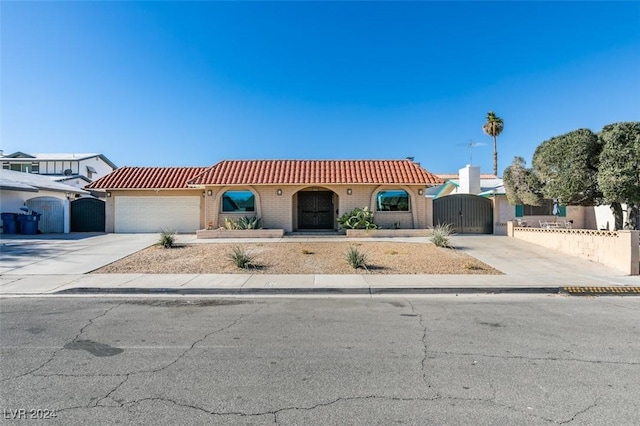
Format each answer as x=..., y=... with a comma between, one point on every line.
x=493, y=127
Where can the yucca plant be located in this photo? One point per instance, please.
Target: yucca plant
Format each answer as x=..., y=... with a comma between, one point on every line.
x=247, y=222
x=356, y=258
x=240, y=257
x=230, y=224
x=167, y=238
x=440, y=235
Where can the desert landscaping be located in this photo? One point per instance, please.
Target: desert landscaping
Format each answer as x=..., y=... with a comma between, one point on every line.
x=300, y=258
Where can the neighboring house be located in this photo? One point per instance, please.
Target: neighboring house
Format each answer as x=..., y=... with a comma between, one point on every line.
x=471, y=212
x=293, y=195
x=41, y=194
x=76, y=170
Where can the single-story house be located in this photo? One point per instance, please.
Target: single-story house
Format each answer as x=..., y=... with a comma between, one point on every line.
x=41, y=194
x=292, y=195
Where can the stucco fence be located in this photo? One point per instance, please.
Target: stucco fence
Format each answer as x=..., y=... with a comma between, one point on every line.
x=616, y=249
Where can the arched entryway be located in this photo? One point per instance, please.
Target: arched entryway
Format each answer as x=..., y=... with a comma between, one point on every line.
x=316, y=209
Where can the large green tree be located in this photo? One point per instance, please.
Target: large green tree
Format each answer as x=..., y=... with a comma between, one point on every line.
x=493, y=127
x=521, y=184
x=619, y=170
x=567, y=167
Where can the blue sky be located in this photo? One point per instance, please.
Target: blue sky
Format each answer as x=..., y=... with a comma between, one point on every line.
x=180, y=84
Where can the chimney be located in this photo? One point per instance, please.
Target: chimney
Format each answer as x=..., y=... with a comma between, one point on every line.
x=469, y=180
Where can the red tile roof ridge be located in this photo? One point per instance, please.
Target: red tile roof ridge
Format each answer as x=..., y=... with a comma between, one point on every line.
x=143, y=177
x=322, y=171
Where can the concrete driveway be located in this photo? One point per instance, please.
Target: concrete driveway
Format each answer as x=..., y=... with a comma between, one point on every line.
x=64, y=254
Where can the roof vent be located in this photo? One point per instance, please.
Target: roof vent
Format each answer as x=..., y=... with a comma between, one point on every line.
x=67, y=172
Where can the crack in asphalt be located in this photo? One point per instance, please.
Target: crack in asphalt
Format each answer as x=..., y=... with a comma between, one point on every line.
x=277, y=411
x=206, y=336
x=130, y=404
x=98, y=401
x=595, y=404
x=425, y=350
x=499, y=404
x=493, y=398
x=178, y=358
x=587, y=361
x=56, y=351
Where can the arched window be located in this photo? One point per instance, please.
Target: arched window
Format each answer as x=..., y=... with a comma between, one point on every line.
x=392, y=200
x=238, y=201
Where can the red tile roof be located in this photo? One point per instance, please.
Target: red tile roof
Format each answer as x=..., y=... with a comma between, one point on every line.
x=269, y=172
x=147, y=178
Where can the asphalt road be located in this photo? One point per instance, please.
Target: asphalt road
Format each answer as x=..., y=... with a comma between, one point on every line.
x=498, y=360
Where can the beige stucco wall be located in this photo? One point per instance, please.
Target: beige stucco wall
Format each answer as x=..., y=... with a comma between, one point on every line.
x=617, y=249
x=280, y=211
x=109, y=209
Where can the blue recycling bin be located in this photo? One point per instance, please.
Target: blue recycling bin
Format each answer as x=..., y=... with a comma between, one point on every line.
x=29, y=223
x=9, y=223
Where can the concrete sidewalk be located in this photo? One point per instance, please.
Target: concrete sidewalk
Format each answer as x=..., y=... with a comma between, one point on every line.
x=526, y=268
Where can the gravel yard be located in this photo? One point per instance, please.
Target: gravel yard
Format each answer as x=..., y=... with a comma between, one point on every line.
x=301, y=258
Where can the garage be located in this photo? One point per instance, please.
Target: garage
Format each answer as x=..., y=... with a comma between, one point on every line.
x=155, y=214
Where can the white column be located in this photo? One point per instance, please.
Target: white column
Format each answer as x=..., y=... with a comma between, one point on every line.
x=66, y=215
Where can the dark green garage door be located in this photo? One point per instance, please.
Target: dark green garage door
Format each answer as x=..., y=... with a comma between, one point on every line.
x=87, y=215
x=468, y=214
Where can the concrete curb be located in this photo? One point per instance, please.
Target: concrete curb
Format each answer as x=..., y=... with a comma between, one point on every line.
x=309, y=291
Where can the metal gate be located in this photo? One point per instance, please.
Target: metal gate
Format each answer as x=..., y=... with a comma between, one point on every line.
x=52, y=210
x=87, y=215
x=468, y=214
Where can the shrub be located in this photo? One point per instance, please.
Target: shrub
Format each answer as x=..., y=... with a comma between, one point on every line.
x=230, y=224
x=440, y=235
x=246, y=222
x=240, y=257
x=358, y=218
x=356, y=258
x=167, y=238
x=305, y=251
x=472, y=267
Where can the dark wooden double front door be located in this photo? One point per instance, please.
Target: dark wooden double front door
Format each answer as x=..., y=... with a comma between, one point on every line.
x=315, y=210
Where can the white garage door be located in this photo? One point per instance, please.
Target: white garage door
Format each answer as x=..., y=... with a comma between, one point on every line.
x=154, y=214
